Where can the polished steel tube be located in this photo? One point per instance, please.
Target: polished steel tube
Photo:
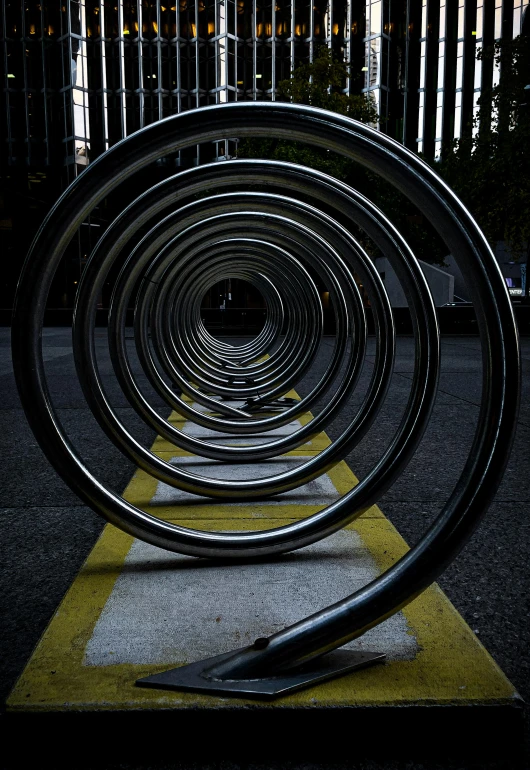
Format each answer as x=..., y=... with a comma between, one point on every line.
x=286, y=230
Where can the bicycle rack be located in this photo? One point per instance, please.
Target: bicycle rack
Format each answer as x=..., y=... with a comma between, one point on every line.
x=276, y=225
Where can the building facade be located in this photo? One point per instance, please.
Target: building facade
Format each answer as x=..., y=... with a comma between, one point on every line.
x=79, y=75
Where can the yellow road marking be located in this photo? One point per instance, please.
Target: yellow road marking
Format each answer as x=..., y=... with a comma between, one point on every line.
x=451, y=667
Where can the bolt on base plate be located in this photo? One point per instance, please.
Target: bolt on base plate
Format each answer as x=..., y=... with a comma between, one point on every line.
x=194, y=676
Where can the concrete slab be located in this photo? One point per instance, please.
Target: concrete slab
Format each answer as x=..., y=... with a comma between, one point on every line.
x=172, y=503
x=316, y=444
x=319, y=491
x=71, y=669
x=157, y=615
x=134, y=610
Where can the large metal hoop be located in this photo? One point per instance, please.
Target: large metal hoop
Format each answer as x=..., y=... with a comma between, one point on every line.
x=500, y=396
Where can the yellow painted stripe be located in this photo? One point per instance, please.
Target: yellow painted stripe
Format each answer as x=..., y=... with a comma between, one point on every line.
x=452, y=667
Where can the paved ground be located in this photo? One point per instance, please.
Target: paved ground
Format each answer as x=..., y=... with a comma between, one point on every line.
x=46, y=533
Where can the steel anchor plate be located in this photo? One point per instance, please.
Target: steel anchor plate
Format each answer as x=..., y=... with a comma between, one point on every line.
x=194, y=676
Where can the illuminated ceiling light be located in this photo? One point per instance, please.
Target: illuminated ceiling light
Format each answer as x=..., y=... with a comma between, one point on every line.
x=474, y=32
x=10, y=75
x=364, y=69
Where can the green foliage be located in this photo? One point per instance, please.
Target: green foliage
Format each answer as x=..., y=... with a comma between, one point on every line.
x=321, y=84
x=415, y=228
x=317, y=84
x=489, y=168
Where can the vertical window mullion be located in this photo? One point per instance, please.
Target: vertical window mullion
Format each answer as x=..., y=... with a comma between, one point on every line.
x=423, y=76
x=254, y=48
x=121, y=50
x=159, y=61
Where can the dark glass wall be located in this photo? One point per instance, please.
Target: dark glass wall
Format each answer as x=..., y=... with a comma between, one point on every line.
x=79, y=75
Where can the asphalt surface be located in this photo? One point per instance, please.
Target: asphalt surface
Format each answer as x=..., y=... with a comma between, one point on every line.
x=46, y=533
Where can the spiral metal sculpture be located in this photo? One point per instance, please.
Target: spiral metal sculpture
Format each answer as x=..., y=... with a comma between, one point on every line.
x=275, y=225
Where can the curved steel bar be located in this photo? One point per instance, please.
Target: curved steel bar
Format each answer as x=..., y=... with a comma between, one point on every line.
x=355, y=614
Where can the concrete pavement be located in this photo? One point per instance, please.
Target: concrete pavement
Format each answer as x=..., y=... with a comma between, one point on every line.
x=47, y=534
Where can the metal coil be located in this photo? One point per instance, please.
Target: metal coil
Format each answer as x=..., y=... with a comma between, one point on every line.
x=277, y=226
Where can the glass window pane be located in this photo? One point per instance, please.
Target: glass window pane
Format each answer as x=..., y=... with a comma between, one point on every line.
x=375, y=18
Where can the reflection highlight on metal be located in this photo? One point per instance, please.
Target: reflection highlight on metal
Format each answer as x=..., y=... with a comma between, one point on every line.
x=285, y=229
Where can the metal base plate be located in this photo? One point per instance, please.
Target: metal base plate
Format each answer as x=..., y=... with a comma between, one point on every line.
x=191, y=677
